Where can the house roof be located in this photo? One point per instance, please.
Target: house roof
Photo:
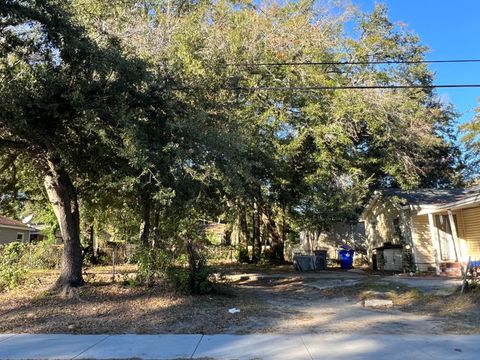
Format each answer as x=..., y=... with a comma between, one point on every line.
x=7, y=222
x=428, y=198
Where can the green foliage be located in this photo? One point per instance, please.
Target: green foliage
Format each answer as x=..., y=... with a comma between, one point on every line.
x=153, y=264
x=267, y=258
x=157, y=264
x=199, y=281
x=408, y=260
x=43, y=255
x=471, y=140
x=12, y=270
x=242, y=255
x=135, y=104
x=178, y=278
x=17, y=258
x=184, y=281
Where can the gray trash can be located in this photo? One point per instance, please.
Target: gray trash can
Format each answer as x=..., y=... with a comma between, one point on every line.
x=320, y=259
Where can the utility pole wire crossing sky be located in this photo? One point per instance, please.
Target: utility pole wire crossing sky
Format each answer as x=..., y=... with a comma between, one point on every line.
x=373, y=62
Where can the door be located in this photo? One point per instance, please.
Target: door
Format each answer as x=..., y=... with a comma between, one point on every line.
x=445, y=238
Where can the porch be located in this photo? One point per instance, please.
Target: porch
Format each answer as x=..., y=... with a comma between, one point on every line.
x=454, y=234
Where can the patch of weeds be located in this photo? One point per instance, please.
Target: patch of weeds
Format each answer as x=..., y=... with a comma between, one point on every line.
x=407, y=297
x=387, y=287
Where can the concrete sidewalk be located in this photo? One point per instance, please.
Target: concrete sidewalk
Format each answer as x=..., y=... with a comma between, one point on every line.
x=257, y=346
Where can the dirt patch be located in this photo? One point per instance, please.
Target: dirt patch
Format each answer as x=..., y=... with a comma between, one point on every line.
x=275, y=304
x=105, y=307
x=461, y=310
x=456, y=313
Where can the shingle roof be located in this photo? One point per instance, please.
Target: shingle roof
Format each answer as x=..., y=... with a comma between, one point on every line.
x=431, y=196
x=11, y=222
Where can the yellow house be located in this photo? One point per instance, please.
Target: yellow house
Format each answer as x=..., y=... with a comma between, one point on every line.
x=435, y=229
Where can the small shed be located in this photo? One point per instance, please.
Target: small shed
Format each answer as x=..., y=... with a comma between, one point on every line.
x=389, y=257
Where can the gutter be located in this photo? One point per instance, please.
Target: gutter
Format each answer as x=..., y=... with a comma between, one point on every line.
x=430, y=209
x=26, y=228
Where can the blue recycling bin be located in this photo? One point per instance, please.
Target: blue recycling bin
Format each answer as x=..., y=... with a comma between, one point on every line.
x=346, y=258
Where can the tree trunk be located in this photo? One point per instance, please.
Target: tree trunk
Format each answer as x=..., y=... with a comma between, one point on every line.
x=276, y=244
x=257, y=244
x=156, y=228
x=63, y=197
x=145, y=225
x=192, y=266
x=243, y=226
x=93, y=243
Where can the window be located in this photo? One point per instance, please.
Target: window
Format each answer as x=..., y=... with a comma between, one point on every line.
x=19, y=236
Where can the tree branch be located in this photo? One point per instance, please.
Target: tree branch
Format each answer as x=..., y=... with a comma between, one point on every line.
x=13, y=144
x=10, y=160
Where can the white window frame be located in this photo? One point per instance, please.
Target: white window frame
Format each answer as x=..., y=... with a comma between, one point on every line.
x=23, y=236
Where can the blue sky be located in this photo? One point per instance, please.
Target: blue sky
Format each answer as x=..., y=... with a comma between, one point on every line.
x=451, y=29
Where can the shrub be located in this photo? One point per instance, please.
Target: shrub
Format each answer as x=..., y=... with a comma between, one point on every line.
x=194, y=283
x=177, y=277
x=242, y=255
x=43, y=255
x=12, y=270
x=152, y=264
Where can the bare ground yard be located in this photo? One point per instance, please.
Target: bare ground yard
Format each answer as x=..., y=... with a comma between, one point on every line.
x=281, y=303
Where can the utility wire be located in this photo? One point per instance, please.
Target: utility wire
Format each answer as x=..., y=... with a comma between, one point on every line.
x=374, y=62
x=360, y=87
x=339, y=87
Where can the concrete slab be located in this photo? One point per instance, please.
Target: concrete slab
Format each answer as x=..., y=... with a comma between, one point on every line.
x=377, y=303
x=4, y=337
x=360, y=347
x=447, y=347
x=328, y=283
x=321, y=274
x=427, y=284
x=242, y=347
x=40, y=346
x=257, y=346
x=143, y=347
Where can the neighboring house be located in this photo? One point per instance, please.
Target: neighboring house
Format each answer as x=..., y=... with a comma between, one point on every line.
x=330, y=240
x=425, y=230
x=215, y=232
x=12, y=230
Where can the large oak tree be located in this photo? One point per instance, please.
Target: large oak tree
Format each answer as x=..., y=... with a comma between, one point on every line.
x=68, y=102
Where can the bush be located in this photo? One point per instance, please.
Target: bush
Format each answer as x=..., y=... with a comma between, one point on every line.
x=187, y=273
x=12, y=270
x=177, y=277
x=242, y=255
x=197, y=283
x=43, y=255
x=17, y=258
x=152, y=264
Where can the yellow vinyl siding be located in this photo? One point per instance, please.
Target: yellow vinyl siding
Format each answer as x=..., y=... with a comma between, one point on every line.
x=424, y=253
x=379, y=227
x=471, y=229
x=461, y=235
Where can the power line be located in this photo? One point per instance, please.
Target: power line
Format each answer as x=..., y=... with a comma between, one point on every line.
x=359, y=87
x=339, y=87
x=374, y=62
